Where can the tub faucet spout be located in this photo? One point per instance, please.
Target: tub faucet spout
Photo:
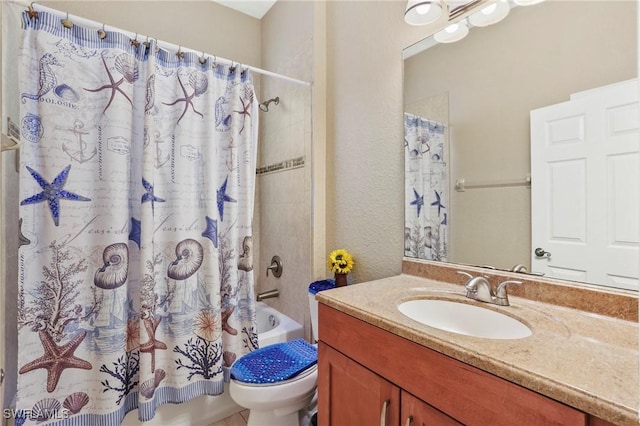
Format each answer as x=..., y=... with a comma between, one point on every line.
x=267, y=295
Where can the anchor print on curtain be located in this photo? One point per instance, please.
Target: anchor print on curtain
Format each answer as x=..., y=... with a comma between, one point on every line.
x=136, y=195
x=426, y=189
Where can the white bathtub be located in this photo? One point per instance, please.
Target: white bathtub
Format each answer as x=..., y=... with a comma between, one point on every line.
x=273, y=327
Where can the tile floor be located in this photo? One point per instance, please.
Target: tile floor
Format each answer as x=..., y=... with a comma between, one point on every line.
x=239, y=419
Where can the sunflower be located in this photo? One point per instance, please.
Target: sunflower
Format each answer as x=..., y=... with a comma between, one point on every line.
x=340, y=261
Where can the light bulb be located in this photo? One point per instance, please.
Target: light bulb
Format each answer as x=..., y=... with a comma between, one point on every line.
x=490, y=9
x=452, y=28
x=423, y=9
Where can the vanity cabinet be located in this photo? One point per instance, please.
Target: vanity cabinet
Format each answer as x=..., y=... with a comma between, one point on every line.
x=358, y=396
x=362, y=367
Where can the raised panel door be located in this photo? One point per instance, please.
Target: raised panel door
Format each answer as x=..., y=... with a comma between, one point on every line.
x=350, y=394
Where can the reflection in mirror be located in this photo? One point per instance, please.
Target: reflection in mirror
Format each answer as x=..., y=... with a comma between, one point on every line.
x=468, y=119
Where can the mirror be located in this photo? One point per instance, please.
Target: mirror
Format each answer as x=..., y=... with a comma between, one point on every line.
x=467, y=110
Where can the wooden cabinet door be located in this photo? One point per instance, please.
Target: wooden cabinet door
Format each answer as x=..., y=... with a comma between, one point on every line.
x=415, y=412
x=350, y=394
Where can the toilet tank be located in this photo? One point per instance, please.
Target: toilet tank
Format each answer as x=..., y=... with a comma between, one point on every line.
x=314, y=288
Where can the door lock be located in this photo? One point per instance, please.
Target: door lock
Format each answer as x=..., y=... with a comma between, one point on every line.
x=540, y=252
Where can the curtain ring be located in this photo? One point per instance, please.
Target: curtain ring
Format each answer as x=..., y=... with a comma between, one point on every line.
x=67, y=22
x=135, y=42
x=32, y=12
x=102, y=34
x=180, y=53
x=202, y=59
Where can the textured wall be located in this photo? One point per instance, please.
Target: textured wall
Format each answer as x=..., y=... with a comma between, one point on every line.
x=365, y=163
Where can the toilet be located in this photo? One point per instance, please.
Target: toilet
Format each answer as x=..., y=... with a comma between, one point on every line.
x=277, y=383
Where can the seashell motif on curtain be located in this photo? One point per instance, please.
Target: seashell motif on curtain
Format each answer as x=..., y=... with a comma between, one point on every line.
x=113, y=272
x=189, y=255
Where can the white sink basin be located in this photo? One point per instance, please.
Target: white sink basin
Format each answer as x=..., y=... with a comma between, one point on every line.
x=463, y=318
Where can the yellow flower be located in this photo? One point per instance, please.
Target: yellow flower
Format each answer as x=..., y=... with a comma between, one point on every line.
x=340, y=261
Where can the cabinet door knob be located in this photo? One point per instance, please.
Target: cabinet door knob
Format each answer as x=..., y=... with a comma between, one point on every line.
x=383, y=413
x=409, y=421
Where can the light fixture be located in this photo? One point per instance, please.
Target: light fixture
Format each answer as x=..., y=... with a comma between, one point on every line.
x=422, y=12
x=452, y=33
x=491, y=14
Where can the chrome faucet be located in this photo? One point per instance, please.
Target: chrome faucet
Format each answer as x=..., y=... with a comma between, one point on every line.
x=479, y=288
x=267, y=295
x=519, y=268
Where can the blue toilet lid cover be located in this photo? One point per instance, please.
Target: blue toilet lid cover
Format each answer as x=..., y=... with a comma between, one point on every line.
x=275, y=363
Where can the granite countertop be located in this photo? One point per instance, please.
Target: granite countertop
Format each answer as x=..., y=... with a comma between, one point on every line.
x=587, y=361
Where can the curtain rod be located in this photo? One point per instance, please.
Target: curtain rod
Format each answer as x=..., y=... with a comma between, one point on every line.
x=163, y=44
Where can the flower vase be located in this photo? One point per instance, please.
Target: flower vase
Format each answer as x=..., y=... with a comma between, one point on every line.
x=341, y=279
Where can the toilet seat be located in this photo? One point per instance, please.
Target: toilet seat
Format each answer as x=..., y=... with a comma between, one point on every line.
x=275, y=364
x=310, y=370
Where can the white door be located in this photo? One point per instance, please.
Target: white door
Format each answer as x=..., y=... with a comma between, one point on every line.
x=585, y=187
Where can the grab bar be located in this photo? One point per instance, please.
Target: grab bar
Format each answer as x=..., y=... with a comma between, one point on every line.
x=462, y=185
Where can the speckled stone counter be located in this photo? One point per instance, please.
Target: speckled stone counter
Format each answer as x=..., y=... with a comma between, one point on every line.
x=585, y=360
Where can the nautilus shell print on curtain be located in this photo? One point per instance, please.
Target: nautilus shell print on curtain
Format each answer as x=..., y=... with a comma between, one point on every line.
x=113, y=272
x=189, y=255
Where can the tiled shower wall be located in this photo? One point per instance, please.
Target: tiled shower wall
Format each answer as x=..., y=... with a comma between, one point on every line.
x=282, y=224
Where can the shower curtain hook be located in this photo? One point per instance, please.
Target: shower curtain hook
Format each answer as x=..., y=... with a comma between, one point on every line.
x=232, y=68
x=32, y=12
x=180, y=53
x=67, y=22
x=102, y=34
x=135, y=42
x=202, y=59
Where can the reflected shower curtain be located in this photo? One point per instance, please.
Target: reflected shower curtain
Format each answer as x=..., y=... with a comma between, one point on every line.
x=426, y=189
x=137, y=192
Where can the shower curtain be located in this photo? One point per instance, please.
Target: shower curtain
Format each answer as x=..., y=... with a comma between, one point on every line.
x=136, y=200
x=426, y=189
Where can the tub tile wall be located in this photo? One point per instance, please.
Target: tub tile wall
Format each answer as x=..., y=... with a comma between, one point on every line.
x=285, y=131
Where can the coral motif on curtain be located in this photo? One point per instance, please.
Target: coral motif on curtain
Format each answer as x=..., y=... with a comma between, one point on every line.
x=137, y=192
x=426, y=189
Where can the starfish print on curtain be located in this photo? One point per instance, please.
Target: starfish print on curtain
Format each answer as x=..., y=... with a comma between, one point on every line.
x=52, y=192
x=199, y=84
x=125, y=65
x=223, y=198
x=149, y=196
x=56, y=359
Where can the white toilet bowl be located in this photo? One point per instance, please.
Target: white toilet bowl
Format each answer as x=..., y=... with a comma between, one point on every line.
x=276, y=404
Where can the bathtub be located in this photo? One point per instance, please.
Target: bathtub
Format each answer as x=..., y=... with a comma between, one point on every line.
x=273, y=327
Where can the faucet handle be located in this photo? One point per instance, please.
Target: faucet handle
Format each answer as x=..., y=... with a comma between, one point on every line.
x=501, y=292
x=466, y=274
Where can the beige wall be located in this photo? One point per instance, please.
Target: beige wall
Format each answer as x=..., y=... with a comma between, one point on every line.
x=365, y=194
x=537, y=56
x=198, y=25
